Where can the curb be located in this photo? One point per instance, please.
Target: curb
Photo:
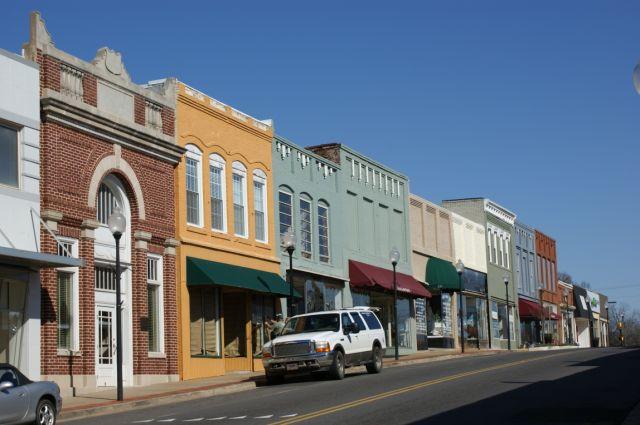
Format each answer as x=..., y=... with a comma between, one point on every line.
x=98, y=409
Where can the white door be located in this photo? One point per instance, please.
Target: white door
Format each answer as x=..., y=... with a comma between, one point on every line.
x=105, y=346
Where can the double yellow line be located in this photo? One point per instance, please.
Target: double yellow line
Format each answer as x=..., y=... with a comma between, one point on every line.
x=392, y=393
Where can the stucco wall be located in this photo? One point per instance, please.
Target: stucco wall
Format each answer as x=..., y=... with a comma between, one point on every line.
x=524, y=261
x=470, y=243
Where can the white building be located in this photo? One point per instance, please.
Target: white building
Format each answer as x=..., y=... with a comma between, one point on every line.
x=20, y=224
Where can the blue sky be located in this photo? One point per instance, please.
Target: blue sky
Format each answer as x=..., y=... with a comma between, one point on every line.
x=528, y=103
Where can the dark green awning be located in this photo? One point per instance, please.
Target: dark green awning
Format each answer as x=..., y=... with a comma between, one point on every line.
x=204, y=272
x=441, y=274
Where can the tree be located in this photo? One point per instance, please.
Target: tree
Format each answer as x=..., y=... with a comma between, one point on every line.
x=631, y=323
x=565, y=277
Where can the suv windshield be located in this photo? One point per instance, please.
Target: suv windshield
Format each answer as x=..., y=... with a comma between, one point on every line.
x=314, y=323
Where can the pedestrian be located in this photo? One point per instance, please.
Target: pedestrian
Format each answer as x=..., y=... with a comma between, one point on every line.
x=276, y=326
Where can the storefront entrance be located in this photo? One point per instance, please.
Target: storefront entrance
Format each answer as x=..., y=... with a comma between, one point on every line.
x=12, y=303
x=105, y=346
x=234, y=310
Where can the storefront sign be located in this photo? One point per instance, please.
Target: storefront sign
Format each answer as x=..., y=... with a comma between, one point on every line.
x=594, y=301
x=420, y=306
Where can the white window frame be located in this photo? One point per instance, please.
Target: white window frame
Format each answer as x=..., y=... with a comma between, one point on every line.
x=507, y=251
x=19, y=136
x=311, y=217
x=489, y=247
x=239, y=169
x=75, y=297
x=216, y=160
x=260, y=176
x=494, y=244
x=325, y=206
x=159, y=283
x=196, y=154
x=292, y=208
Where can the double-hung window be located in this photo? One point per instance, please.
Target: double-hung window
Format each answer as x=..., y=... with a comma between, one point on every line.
x=240, y=200
x=155, y=303
x=260, y=205
x=217, y=191
x=285, y=210
x=323, y=232
x=67, y=312
x=306, y=242
x=193, y=181
x=9, y=156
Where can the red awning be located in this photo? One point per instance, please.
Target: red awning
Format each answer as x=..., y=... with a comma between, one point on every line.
x=529, y=309
x=361, y=274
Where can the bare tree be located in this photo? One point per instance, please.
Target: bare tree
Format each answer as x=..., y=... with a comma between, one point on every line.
x=565, y=277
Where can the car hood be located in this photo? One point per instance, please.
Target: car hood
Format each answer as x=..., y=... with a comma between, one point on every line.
x=306, y=336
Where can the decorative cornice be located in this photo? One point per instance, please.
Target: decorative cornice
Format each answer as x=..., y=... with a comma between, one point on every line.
x=499, y=212
x=88, y=119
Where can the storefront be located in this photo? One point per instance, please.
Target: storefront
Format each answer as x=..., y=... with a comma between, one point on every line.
x=583, y=317
x=530, y=321
x=443, y=278
x=501, y=322
x=230, y=312
x=373, y=286
x=550, y=323
x=318, y=293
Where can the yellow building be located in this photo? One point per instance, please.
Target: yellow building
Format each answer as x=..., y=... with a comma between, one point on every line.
x=228, y=269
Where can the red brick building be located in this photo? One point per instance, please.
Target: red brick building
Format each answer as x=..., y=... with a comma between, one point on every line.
x=550, y=291
x=106, y=144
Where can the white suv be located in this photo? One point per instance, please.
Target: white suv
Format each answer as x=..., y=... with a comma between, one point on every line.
x=327, y=341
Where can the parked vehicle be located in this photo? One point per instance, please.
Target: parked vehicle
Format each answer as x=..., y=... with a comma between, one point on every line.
x=24, y=401
x=327, y=341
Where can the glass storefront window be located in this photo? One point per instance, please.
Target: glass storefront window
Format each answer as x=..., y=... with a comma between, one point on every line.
x=475, y=318
x=12, y=301
x=499, y=320
x=317, y=296
x=262, y=313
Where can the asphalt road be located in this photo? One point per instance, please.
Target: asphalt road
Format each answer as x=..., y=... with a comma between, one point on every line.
x=568, y=386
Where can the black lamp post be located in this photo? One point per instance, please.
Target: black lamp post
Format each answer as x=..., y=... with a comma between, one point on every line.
x=460, y=270
x=289, y=243
x=117, y=225
x=394, y=256
x=506, y=288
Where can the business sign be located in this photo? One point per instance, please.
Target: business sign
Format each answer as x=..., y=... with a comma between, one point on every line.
x=594, y=301
x=420, y=305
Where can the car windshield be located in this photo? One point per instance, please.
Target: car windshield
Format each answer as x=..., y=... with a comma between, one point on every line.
x=314, y=323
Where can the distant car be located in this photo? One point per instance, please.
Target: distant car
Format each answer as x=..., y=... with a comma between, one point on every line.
x=327, y=341
x=25, y=401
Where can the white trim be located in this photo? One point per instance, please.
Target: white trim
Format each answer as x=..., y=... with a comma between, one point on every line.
x=216, y=160
x=499, y=212
x=260, y=176
x=159, y=282
x=311, y=216
x=75, y=294
x=196, y=154
x=239, y=169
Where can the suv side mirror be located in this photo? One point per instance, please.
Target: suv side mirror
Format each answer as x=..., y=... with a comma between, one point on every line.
x=5, y=385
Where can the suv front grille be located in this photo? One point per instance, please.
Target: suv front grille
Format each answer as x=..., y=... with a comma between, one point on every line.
x=286, y=349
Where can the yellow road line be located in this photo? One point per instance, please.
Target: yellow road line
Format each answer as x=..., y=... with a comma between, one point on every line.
x=403, y=390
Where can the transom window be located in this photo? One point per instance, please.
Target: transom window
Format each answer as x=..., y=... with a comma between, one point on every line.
x=323, y=233
x=105, y=278
x=217, y=192
x=306, y=243
x=286, y=214
x=107, y=203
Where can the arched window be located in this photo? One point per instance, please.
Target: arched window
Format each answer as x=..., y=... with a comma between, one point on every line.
x=240, y=199
x=193, y=181
x=218, y=192
x=107, y=202
x=260, y=204
x=285, y=211
x=306, y=227
x=323, y=232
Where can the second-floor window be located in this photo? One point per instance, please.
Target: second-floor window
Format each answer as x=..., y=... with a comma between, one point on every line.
x=155, y=303
x=8, y=156
x=323, y=233
x=260, y=205
x=306, y=243
x=217, y=192
x=239, y=199
x=106, y=204
x=285, y=212
x=193, y=179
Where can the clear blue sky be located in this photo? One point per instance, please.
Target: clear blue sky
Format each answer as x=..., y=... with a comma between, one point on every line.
x=528, y=103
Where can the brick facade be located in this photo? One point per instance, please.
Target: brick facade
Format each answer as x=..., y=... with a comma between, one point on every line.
x=547, y=268
x=76, y=156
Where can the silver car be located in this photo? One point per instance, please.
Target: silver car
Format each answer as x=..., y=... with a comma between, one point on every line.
x=25, y=401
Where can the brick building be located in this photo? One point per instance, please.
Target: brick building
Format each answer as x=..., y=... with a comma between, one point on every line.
x=550, y=292
x=106, y=144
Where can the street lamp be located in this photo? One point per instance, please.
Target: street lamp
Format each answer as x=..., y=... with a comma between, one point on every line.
x=506, y=288
x=460, y=270
x=289, y=244
x=394, y=257
x=118, y=225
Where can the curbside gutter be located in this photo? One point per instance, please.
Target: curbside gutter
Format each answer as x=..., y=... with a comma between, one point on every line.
x=109, y=407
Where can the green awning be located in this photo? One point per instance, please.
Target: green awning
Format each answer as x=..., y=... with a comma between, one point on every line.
x=204, y=272
x=441, y=274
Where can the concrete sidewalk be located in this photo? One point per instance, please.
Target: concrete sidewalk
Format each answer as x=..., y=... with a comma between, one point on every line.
x=104, y=401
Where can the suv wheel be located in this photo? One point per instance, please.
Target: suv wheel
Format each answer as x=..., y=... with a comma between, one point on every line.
x=45, y=413
x=376, y=360
x=337, y=368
